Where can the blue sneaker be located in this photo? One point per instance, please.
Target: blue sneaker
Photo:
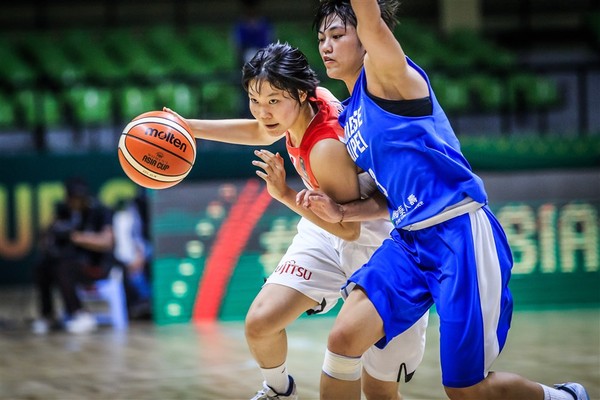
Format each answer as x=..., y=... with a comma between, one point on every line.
x=574, y=389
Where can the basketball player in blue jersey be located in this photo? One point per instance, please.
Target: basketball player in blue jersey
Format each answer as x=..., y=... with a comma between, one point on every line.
x=287, y=104
x=447, y=248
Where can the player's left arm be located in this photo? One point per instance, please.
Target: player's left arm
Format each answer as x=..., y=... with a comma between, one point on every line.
x=389, y=75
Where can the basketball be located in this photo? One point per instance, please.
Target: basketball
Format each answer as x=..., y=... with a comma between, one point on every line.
x=157, y=149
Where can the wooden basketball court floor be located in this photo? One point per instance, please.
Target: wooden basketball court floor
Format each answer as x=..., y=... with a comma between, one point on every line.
x=212, y=362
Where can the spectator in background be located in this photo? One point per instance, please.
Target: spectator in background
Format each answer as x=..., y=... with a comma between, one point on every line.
x=251, y=32
x=76, y=249
x=133, y=249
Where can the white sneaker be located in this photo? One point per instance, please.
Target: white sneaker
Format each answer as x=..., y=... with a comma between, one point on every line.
x=40, y=326
x=267, y=393
x=82, y=322
x=574, y=389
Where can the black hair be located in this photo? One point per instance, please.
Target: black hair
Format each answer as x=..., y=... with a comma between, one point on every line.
x=284, y=67
x=343, y=9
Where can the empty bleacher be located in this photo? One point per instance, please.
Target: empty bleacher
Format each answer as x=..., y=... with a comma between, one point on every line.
x=92, y=76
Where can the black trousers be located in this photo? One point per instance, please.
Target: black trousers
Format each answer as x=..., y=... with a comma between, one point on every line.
x=64, y=273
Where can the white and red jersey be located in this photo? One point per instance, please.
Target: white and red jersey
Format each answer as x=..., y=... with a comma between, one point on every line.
x=325, y=125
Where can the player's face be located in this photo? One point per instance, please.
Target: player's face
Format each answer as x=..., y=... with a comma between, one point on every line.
x=274, y=109
x=340, y=49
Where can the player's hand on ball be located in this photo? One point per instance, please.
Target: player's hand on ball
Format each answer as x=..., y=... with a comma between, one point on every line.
x=167, y=109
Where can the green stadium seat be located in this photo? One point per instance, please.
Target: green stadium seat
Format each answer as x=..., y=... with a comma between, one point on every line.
x=482, y=52
x=452, y=94
x=90, y=105
x=221, y=99
x=214, y=47
x=179, y=97
x=98, y=64
x=527, y=91
x=545, y=93
x=14, y=71
x=455, y=62
x=301, y=36
x=129, y=50
x=487, y=91
x=133, y=101
x=39, y=108
x=167, y=43
x=46, y=52
x=421, y=44
x=8, y=117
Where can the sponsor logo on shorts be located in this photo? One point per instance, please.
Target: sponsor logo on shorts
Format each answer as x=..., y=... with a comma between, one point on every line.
x=291, y=268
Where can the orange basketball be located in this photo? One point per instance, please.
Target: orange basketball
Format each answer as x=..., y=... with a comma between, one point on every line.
x=157, y=149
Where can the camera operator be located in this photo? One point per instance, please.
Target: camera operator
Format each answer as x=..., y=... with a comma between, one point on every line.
x=76, y=249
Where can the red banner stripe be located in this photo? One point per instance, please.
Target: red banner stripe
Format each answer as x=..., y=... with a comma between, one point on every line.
x=227, y=248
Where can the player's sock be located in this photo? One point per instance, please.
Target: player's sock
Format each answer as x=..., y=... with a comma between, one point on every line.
x=277, y=378
x=554, y=394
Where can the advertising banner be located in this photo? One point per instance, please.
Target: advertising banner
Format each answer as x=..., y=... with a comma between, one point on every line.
x=216, y=243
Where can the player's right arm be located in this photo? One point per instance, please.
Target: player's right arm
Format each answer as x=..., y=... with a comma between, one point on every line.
x=234, y=131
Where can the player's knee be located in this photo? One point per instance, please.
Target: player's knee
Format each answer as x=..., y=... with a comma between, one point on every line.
x=257, y=324
x=342, y=340
x=256, y=327
x=342, y=367
x=263, y=320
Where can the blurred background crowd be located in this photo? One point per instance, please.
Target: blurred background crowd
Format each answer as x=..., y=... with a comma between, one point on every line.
x=73, y=74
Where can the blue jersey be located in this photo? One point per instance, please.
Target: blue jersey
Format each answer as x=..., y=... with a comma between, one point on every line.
x=415, y=161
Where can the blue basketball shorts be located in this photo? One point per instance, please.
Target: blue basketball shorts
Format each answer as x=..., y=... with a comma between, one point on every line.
x=463, y=267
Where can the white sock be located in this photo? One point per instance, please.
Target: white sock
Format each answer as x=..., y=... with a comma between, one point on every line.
x=277, y=378
x=555, y=394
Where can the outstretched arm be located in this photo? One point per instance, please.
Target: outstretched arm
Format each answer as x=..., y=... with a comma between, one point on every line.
x=235, y=131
